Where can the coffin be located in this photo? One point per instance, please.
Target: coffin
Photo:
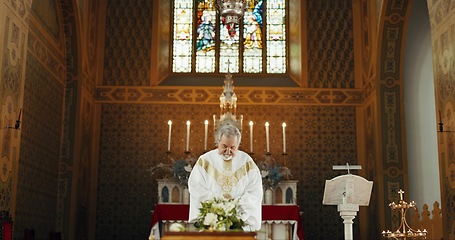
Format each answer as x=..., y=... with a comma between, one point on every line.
x=209, y=235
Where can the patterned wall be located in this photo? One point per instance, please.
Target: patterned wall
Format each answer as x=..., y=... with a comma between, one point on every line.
x=368, y=35
x=12, y=66
x=330, y=44
x=371, y=224
x=134, y=138
x=127, y=43
x=442, y=19
x=392, y=156
x=77, y=142
x=37, y=179
x=39, y=153
x=50, y=22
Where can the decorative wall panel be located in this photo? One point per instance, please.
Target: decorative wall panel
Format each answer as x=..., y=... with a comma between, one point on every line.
x=46, y=12
x=13, y=60
x=246, y=95
x=40, y=151
x=442, y=19
x=393, y=163
x=127, y=43
x=12, y=67
x=330, y=44
x=369, y=163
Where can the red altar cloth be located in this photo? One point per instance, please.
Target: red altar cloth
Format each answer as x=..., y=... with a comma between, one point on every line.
x=180, y=212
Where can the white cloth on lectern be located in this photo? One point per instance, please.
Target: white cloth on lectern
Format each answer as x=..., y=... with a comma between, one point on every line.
x=240, y=178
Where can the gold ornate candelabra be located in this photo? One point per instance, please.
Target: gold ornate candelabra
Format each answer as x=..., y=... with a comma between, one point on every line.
x=404, y=231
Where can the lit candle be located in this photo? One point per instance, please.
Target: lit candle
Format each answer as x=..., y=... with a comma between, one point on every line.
x=251, y=136
x=284, y=137
x=169, y=136
x=267, y=136
x=206, y=133
x=188, y=136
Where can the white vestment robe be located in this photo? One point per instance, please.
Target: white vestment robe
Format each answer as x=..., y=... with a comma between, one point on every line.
x=238, y=178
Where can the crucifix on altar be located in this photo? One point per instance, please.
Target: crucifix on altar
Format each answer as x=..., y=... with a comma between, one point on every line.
x=348, y=192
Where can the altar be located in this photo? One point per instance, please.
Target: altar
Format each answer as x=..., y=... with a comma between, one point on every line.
x=278, y=221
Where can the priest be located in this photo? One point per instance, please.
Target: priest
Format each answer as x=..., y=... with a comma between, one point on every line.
x=230, y=173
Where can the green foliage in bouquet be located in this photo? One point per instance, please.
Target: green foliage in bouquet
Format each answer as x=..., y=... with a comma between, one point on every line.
x=272, y=174
x=220, y=214
x=179, y=170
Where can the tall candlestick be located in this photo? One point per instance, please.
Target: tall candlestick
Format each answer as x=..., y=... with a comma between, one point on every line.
x=188, y=136
x=169, y=136
x=284, y=137
x=267, y=136
x=251, y=136
x=206, y=134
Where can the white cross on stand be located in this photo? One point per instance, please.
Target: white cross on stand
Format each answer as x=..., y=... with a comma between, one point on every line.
x=347, y=167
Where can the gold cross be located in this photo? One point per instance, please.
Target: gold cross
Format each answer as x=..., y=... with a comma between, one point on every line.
x=401, y=194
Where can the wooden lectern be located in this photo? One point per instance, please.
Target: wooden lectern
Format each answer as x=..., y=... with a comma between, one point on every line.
x=348, y=192
x=209, y=235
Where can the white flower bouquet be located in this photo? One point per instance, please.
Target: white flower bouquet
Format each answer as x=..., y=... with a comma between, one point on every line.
x=220, y=214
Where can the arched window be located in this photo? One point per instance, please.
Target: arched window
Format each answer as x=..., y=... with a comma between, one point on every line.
x=202, y=43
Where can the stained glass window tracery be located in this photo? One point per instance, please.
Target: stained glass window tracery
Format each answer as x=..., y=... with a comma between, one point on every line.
x=256, y=45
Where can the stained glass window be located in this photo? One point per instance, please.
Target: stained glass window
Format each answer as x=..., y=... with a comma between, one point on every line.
x=276, y=37
x=183, y=36
x=205, y=37
x=256, y=45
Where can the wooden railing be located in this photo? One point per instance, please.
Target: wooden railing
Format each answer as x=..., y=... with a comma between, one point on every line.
x=432, y=224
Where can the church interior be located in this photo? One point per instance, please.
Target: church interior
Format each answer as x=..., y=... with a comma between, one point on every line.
x=88, y=89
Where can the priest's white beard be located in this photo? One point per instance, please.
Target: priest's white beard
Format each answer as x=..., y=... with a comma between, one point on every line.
x=226, y=157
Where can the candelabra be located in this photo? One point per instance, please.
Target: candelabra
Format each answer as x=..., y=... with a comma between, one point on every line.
x=228, y=116
x=404, y=231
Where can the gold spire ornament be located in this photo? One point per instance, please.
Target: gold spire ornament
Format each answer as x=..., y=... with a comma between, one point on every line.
x=228, y=107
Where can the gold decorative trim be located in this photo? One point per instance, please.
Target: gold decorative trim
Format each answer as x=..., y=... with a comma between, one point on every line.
x=246, y=95
x=226, y=179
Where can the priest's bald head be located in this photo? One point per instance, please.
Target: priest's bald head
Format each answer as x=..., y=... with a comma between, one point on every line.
x=228, y=141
